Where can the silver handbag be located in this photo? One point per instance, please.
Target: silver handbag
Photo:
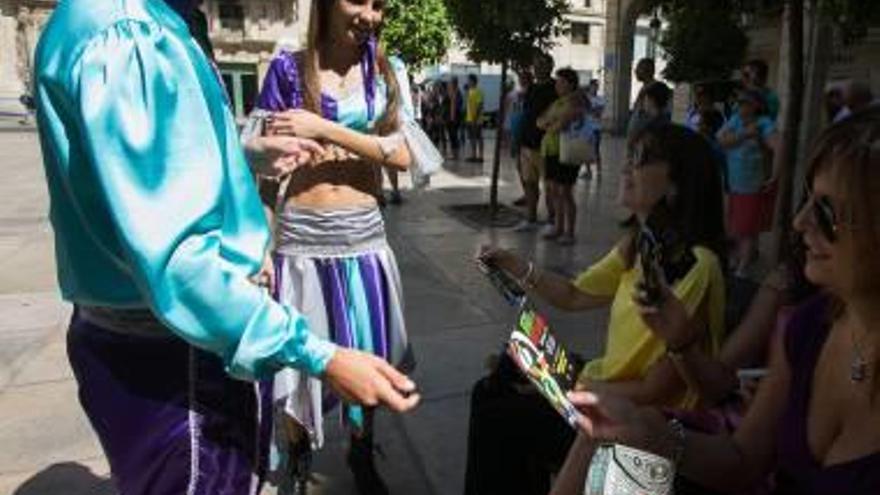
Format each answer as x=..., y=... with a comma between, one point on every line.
x=620, y=470
x=426, y=158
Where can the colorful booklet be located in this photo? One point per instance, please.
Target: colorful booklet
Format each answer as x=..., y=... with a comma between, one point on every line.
x=544, y=361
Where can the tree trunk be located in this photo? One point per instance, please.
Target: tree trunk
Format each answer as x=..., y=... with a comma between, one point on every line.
x=819, y=54
x=499, y=134
x=788, y=154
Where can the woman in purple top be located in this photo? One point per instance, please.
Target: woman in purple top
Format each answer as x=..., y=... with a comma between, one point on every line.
x=332, y=259
x=815, y=422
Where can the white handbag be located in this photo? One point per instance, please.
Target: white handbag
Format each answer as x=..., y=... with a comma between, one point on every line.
x=620, y=470
x=426, y=158
x=576, y=145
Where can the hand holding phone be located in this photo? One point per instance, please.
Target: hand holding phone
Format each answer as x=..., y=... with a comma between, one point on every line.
x=509, y=288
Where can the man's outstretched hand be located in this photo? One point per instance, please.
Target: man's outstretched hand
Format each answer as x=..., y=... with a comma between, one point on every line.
x=365, y=379
x=277, y=156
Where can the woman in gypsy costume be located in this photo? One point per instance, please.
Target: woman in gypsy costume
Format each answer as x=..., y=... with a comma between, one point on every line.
x=332, y=260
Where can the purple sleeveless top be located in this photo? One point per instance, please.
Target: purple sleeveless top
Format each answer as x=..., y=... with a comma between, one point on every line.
x=283, y=90
x=798, y=472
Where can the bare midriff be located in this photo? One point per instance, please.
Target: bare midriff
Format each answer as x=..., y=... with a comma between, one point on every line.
x=334, y=185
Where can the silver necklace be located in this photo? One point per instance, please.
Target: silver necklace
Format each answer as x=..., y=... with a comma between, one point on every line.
x=858, y=367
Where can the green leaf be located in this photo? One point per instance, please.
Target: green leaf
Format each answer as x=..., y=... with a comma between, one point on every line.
x=496, y=31
x=419, y=31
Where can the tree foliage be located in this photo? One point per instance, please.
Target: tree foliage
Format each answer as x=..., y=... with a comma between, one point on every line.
x=852, y=17
x=703, y=40
x=419, y=31
x=497, y=31
x=506, y=32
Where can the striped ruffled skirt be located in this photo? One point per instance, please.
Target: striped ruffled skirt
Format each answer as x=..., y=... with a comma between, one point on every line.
x=337, y=269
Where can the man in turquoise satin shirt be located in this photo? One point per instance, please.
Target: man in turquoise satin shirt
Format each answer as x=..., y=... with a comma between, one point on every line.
x=158, y=232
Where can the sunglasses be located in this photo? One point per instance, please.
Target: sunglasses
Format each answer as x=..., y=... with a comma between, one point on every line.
x=822, y=211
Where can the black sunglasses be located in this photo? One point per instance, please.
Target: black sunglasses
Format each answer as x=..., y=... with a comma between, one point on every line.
x=823, y=213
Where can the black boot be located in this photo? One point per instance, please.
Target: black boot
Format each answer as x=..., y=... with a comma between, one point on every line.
x=360, y=461
x=299, y=470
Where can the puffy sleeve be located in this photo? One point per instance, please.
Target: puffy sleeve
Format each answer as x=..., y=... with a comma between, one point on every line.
x=150, y=113
x=603, y=278
x=281, y=85
x=407, y=110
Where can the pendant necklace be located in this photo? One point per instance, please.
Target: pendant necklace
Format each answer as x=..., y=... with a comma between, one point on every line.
x=858, y=368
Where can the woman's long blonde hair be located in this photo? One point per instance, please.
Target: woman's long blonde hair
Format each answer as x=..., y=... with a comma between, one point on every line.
x=319, y=23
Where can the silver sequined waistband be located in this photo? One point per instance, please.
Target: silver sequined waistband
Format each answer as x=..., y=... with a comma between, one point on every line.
x=330, y=233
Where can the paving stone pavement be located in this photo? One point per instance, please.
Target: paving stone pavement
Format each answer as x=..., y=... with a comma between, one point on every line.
x=454, y=316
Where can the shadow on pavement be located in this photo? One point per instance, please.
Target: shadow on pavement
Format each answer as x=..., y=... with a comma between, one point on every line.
x=68, y=478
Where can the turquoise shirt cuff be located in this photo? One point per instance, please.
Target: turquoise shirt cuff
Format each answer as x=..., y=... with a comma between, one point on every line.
x=321, y=352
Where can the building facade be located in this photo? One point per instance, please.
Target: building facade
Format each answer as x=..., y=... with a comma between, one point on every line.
x=245, y=35
x=582, y=48
x=21, y=22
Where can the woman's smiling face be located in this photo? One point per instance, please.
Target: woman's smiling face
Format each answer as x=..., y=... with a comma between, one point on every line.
x=829, y=246
x=353, y=22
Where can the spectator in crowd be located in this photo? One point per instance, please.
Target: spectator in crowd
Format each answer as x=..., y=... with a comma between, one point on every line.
x=516, y=439
x=454, y=117
x=474, y=119
x=835, y=106
x=754, y=77
x=857, y=96
x=438, y=115
x=560, y=177
x=749, y=139
x=812, y=426
x=597, y=108
x=418, y=99
x=512, y=116
x=517, y=125
x=640, y=117
x=656, y=102
x=711, y=122
x=538, y=98
x=703, y=102
x=726, y=384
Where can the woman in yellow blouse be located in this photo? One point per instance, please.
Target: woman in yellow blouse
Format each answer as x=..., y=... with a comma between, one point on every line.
x=516, y=440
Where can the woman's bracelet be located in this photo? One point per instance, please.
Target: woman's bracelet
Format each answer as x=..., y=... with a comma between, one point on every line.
x=679, y=439
x=526, y=280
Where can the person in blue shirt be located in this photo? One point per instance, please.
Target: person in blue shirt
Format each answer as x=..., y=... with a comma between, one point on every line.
x=749, y=139
x=755, y=74
x=159, y=232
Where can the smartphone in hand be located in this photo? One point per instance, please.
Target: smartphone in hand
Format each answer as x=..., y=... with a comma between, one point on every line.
x=664, y=255
x=509, y=288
